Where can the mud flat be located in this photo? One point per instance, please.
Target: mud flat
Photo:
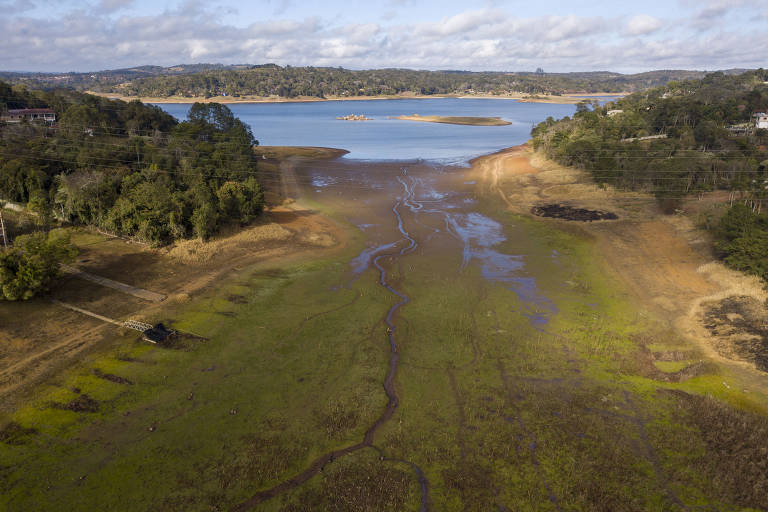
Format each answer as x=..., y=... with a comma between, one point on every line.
x=470, y=121
x=446, y=350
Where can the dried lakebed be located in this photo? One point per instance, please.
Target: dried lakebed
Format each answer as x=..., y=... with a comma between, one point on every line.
x=450, y=355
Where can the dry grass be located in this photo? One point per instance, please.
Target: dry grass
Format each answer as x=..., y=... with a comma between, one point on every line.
x=732, y=282
x=309, y=152
x=198, y=251
x=737, y=448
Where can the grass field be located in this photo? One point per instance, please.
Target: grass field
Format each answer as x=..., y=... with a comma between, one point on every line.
x=522, y=381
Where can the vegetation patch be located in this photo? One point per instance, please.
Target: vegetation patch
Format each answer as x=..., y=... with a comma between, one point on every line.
x=740, y=326
x=15, y=434
x=737, y=448
x=363, y=483
x=83, y=403
x=566, y=212
x=111, y=377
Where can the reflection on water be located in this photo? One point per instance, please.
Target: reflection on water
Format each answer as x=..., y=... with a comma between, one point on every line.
x=480, y=235
x=361, y=263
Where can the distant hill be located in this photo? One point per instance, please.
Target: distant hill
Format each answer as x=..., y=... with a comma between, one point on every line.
x=89, y=80
x=205, y=80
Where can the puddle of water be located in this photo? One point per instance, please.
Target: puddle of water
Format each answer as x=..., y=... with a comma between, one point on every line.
x=361, y=263
x=480, y=234
x=323, y=181
x=430, y=195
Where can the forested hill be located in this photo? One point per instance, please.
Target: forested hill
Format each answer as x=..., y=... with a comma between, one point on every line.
x=205, y=80
x=684, y=138
x=129, y=168
x=105, y=78
x=289, y=82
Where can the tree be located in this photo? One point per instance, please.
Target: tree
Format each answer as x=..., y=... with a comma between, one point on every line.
x=220, y=116
x=31, y=265
x=41, y=207
x=205, y=220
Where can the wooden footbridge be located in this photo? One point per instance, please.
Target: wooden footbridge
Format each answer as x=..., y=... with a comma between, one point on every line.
x=128, y=324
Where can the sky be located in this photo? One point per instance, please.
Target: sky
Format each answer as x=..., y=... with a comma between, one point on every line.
x=492, y=35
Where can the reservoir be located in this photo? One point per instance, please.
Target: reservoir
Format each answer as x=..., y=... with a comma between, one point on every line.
x=383, y=138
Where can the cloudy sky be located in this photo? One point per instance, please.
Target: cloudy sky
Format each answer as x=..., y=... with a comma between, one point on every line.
x=501, y=35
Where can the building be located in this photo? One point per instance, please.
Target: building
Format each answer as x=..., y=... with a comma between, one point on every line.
x=761, y=120
x=44, y=115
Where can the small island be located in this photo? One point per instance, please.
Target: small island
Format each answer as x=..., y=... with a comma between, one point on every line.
x=471, y=121
x=355, y=117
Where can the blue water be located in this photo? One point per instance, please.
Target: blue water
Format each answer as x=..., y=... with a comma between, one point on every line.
x=315, y=124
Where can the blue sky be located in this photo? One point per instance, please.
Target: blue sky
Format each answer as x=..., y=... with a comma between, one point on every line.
x=87, y=35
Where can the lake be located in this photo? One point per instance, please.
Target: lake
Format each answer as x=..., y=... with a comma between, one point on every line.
x=315, y=124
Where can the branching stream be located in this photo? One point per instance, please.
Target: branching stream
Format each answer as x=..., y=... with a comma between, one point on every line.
x=389, y=386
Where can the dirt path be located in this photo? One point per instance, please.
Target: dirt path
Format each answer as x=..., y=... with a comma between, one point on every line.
x=115, y=285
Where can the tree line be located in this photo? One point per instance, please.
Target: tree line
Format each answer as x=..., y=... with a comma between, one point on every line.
x=130, y=168
x=127, y=168
x=322, y=82
x=684, y=138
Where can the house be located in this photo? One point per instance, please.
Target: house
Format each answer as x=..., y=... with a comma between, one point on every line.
x=616, y=112
x=761, y=120
x=44, y=115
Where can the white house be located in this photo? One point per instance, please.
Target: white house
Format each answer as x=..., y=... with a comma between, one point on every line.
x=761, y=120
x=30, y=114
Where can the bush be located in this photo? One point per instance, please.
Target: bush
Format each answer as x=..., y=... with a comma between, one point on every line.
x=743, y=240
x=31, y=265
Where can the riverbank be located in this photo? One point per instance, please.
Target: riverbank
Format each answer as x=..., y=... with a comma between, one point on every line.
x=566, y=99
x=469, y=121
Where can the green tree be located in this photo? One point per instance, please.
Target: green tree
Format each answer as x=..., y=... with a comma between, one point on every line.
x=31, y=265
x=41, y=207
x=205, y=220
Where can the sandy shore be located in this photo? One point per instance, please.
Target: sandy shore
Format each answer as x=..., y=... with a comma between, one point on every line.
x=567, y=99
x=470, y=121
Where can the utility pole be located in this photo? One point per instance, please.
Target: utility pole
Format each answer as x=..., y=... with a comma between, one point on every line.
x=2, y=231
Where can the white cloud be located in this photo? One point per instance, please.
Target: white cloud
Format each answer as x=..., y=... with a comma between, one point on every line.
x=643, y=24
x=482, y=39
